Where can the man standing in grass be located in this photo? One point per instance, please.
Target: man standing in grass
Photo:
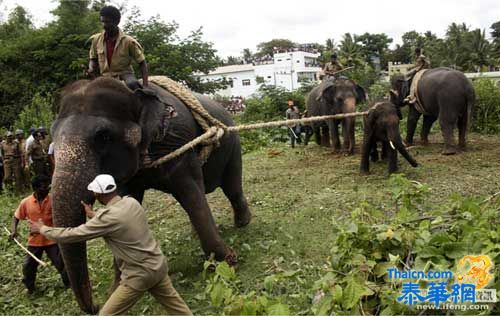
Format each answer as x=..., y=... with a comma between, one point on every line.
x=38, y=207
x=124, y=226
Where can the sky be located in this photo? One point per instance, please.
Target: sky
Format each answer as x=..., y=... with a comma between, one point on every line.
x=232, y=25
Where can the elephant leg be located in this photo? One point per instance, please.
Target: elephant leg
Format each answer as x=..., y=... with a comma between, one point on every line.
x=426, y=128
x=462, y=131
x=447, y=126
x=374, y=153
x=413, y=116
x=334, y=134
x=232, y=188
x=385, y=150
x=325, y=137
x=348, y=134
x=190, y=193
x=392, y=161
x=317, y=135
x=369, y=145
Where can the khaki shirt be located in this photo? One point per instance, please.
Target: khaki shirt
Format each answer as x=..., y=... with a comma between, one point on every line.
x=36, y=151
x=126, y=50
x=10, y=151
x=124, y=226
x=332, y=67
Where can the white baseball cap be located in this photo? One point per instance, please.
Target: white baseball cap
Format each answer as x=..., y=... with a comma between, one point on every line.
x=103, y=183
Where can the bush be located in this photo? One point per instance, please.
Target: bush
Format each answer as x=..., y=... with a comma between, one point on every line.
x=379, y=90
x=270, y=103
x=487, y=107
x=37, y=113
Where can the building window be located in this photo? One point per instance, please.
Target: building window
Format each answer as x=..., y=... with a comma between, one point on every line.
x=269, y=77
x=298, y=61
x=245, y=82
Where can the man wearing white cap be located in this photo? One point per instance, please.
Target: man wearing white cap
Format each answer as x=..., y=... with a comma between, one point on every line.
x=123, y=225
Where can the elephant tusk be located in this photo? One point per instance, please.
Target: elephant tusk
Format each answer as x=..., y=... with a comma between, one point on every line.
x=395, y=92
x=392, y=145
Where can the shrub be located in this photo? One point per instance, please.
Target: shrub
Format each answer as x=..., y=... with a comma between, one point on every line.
x=487, y=107
x=37, y=113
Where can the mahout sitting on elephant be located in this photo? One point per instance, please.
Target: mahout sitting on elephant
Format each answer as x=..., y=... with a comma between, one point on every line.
x=382, y=125
x=102, y=127
x=335, y=97
x=441, y=93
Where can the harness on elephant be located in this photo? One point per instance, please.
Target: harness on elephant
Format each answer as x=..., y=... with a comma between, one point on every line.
x=201, y=116
x=414, y=91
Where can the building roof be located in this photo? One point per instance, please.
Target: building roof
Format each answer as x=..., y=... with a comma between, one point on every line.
x=231, y=68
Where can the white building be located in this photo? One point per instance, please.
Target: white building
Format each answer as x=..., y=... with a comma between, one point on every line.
x=284, y=69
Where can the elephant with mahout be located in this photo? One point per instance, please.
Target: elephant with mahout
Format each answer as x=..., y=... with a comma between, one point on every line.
x=382, y=125
x=444, y=94
x=103, y=127
x=330, y=97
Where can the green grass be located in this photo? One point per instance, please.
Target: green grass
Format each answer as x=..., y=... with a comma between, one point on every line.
x=295, y=195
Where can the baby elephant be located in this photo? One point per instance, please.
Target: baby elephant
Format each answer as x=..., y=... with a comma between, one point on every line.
x=382, y=125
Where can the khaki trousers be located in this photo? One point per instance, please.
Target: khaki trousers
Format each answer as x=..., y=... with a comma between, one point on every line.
x=124, y=297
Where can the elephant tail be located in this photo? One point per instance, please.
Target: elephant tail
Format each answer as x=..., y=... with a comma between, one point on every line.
x=396, y=143
x=470, y=101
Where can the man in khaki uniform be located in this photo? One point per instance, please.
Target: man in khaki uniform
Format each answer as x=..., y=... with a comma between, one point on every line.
x=124, y=226
x=112, y=51
x=332, y=67
x=38, y=154
x=421, y=62
x=11, y=154
x=24, y=158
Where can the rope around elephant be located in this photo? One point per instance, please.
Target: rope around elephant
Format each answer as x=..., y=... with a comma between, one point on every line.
x=214, y=129
x=216, y=132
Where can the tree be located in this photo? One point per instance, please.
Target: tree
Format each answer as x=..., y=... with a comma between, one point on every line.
x=267, y=48
x=247, y=55
x=168, y=54
x=495, y=34
x=351, y=51
x=374, y=45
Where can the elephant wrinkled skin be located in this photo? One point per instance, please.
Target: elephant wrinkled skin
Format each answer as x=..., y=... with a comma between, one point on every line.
x=102, y=127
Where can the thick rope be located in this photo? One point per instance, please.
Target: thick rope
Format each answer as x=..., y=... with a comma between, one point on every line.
x=201, y=116
x=214, y=132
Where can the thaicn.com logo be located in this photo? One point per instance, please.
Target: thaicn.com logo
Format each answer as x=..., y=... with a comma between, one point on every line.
x=462, y=290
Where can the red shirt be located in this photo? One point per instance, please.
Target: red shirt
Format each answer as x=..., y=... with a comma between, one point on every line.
x=29, y=208
x=110, y=48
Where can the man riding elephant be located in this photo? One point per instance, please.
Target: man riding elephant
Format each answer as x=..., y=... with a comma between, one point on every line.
x=421, y=62
x=112, y=51
x=332, y=67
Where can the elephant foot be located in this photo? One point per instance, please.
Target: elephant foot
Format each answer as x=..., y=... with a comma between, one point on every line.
x=424, y=142
x=94, y=310
x=462, y=147
x=408, y=143
x=364, y=173
x=242, y=220
x=449, y=150
x=231, y=258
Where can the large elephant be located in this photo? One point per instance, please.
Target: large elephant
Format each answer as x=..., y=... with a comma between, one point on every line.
x=335, y=96
x=103, y=127
x=444, y=93
x=382, y=125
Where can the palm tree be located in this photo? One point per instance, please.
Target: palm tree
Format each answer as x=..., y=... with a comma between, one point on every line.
x=480, y=50
x=350, y=50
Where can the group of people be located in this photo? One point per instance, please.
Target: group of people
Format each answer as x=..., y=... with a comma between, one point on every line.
x=235, y=105
x=21, y=158
x=122, y=221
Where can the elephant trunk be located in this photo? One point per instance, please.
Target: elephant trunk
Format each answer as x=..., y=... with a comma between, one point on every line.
x=397, y=144
x=74, y=170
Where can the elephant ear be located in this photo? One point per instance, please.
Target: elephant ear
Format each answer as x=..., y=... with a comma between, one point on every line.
x=360, y=94
x=154, y=115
